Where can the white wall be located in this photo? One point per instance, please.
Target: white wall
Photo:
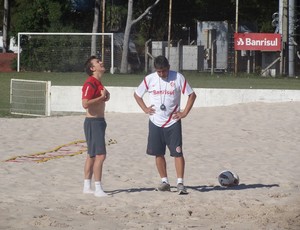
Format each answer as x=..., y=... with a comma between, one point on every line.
x=68, y=98
x=13, y=45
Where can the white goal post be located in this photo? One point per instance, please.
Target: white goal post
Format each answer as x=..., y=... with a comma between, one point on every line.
x=30, y=97
x=64, y=47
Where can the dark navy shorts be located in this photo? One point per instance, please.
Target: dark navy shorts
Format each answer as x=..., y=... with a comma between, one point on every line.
x=94, y=130
x=159, y=138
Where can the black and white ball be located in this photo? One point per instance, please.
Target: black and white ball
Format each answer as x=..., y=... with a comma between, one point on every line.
x=227, y=178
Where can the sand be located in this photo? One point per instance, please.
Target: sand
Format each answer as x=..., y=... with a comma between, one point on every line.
x=258, y=141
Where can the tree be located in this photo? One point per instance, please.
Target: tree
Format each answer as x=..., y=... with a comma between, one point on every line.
x=129, y=23
x=95, y=26
x=37, y=16
x=6, y=20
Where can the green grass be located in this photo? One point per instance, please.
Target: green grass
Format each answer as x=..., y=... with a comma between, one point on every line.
x=196, y=80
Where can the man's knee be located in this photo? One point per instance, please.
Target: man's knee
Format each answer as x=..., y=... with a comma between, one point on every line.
x=100, y=157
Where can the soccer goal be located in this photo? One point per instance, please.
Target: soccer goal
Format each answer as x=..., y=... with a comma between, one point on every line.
x=29, y=97
x=63, y=52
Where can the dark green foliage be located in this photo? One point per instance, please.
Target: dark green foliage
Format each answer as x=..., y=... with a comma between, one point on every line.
x=57, y=53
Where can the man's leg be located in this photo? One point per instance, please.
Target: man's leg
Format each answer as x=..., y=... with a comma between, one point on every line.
x=98, y=165
x=88, y=167
x=162, y=170
x=161, y=166
x=88, y=172
x=179, y=166
x=97, y=169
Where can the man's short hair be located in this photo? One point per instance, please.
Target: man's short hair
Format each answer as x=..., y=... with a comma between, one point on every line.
x=88, y=65
x=161, y=62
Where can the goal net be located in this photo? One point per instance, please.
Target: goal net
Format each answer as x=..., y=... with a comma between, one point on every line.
x=62, y=52
x=29, y=97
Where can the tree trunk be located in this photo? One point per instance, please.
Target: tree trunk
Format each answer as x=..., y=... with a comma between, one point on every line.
x=124, y=62
x=6, y=39
x=95, y=27
x=129, y=24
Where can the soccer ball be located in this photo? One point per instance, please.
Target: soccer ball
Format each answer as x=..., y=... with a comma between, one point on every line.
x=227, y=178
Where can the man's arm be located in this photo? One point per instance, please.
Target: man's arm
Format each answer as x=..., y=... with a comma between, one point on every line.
x=188, y=107
x=86, y=102
x=141, y=103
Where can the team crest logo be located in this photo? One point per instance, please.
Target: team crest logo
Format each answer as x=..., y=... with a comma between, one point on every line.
x=172, y=84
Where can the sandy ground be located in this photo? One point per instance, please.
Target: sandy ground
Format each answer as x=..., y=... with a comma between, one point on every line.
x=258, y=141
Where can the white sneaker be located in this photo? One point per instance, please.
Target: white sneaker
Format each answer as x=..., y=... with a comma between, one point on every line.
x=87, y=191
x=100, y=193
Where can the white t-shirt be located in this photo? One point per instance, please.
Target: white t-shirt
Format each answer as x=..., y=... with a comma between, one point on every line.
x=165, y=92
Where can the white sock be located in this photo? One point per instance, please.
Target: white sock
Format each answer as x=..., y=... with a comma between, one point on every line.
x=179, y=180
x=98, y=190
x=87, y=184
x=165, y=179
x=98, y=186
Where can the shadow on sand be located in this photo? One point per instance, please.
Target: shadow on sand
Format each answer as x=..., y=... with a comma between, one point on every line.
x=205, y=188
x=200, y=188
x=131, y=190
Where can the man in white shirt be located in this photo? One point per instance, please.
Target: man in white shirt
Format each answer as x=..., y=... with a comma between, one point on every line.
x=165, y=87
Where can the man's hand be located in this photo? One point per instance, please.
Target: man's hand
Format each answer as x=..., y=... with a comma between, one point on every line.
x=150, y=110
x=178, y=115
x=107, y=96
